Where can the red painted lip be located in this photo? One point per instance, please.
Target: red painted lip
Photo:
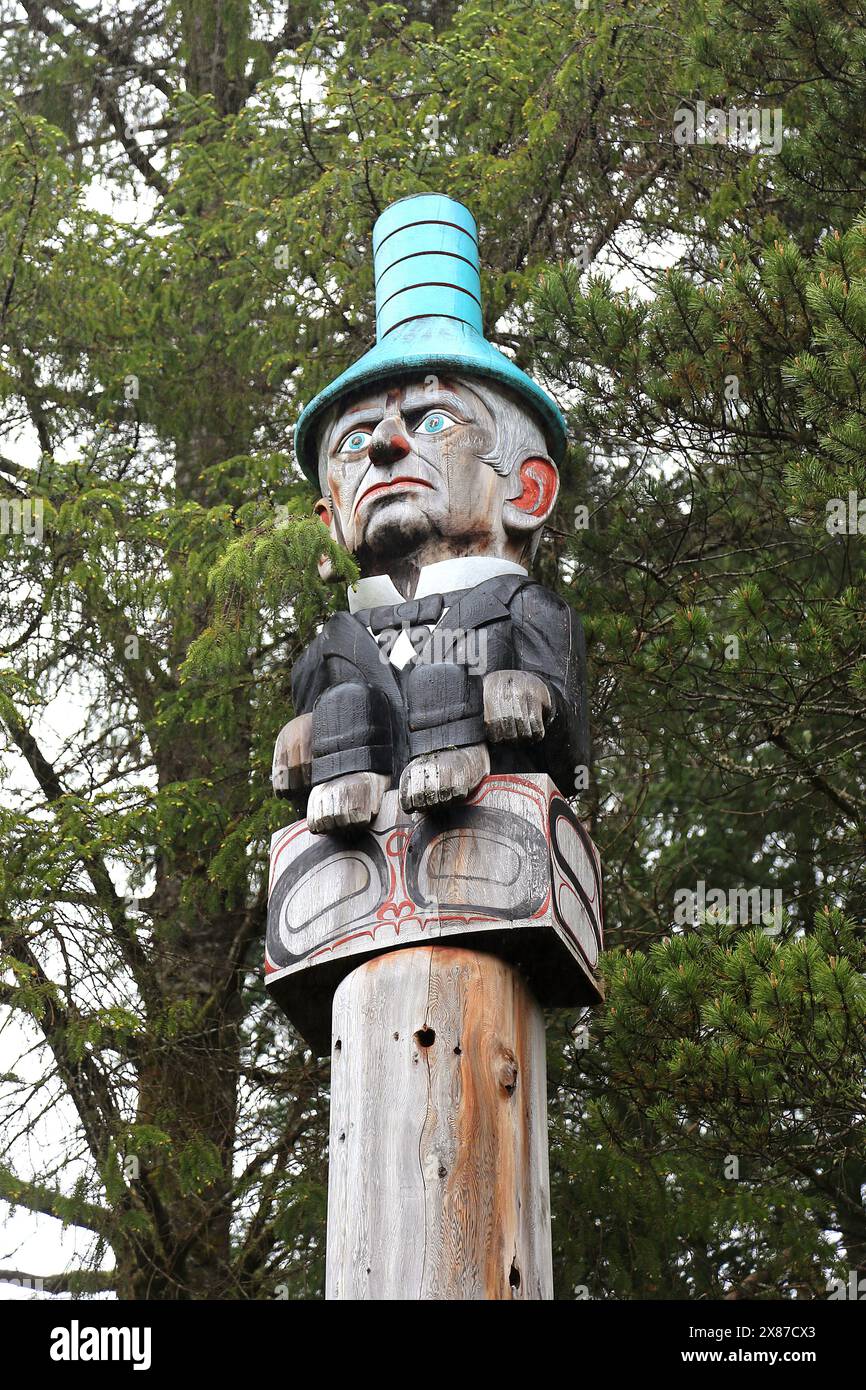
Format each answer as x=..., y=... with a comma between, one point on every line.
x=395, y=482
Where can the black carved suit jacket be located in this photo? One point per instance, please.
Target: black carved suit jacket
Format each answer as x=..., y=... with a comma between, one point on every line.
x=361, y=702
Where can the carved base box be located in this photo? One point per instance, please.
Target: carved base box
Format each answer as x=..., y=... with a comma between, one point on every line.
x=511, y=871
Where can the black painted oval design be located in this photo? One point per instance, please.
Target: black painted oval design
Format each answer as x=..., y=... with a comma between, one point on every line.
x=367, y=852
x=500, y=827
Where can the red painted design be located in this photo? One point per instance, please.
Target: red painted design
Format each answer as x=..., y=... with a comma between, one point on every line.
x=540, y=482
x=400, y=920
x=396, y=910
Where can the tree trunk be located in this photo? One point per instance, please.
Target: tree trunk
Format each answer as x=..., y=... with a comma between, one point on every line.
x=439, y=1182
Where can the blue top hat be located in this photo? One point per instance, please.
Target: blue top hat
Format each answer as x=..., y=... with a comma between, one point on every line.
x=428, y=317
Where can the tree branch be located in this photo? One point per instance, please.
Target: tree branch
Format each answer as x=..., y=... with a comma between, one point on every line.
x=54, y=791
x=73, y=1281
x=34, y=1196
x=846, y=804
x=36, y=13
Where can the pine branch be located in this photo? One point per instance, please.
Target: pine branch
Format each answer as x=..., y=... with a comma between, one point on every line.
x=47, y=1201
x=103, y=89
x=754, y=1283
x=111, y=901
x=19, y=252
x=260, y=1236
x=101, y=1121
x=846, y=804
x=251, y=926
x=87, y=1086
x=116, y=48
x=71, y=1281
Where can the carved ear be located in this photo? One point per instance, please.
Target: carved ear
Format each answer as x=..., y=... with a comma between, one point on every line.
x=325, y=513
x=539, y=489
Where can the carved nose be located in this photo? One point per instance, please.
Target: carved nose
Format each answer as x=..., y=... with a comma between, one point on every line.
x=388, y=444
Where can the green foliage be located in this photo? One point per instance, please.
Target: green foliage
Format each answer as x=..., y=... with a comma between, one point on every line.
x=185, y=224
x=720, y=1099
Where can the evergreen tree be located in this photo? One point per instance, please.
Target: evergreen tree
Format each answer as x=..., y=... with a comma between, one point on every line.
x=187, y=198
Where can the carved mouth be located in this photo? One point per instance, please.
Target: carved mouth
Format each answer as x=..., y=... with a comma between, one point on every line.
x=378, y=488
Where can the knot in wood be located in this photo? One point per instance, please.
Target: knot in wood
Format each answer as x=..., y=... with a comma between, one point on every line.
x=507, y=1070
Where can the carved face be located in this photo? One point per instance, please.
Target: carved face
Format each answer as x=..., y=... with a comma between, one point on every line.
x=432, y=468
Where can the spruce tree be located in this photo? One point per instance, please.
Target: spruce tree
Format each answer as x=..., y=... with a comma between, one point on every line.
x=187, y=198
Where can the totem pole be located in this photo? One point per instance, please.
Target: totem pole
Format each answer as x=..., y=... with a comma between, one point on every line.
x=440, y=888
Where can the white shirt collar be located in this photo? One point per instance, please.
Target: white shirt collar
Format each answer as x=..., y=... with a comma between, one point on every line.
x=443, y=577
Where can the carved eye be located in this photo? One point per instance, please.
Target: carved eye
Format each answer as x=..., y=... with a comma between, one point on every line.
x=435, y=422
x=356, y=441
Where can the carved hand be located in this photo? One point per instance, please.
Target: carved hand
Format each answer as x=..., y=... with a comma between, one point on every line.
x=293, y=755
x=353, y=800
x=437, y=778
x=515, y=704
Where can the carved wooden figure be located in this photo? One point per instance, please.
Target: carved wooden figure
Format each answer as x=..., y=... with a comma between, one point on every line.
x=439, y=888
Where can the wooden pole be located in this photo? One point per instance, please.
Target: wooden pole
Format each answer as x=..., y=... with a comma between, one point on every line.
x=439, y=1184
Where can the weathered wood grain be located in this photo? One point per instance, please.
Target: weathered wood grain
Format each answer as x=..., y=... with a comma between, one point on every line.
x=439, y=1182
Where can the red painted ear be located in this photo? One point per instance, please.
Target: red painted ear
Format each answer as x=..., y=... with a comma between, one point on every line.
x=323, y=512
x=539, y=482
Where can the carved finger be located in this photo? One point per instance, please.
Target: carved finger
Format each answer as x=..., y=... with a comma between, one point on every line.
x=535, y=730
x=431, y=782
x=453, y=781
x=329, y=815
x=508, y=721
x=316, y=812
x=358, y=801
x=410, y=788
x=476, y=761
x=532, y=717
x=419, y=785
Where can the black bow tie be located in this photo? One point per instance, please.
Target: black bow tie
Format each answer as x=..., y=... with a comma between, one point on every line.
x=412, y=613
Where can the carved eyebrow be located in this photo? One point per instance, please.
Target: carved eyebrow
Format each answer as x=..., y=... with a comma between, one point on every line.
x=434, y=400
x=364, y=418
x=415, y=403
